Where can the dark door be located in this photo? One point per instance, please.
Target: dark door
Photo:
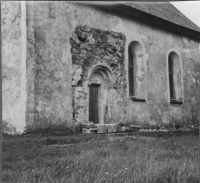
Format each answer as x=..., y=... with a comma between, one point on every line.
x=93, y=103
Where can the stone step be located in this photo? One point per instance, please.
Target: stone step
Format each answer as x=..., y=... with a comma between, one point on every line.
x=105, y=128
x=90, y=130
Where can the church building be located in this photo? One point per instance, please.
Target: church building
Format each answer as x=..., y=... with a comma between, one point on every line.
x=102, y=63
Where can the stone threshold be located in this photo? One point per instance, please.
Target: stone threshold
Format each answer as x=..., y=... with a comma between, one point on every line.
x=106, y=128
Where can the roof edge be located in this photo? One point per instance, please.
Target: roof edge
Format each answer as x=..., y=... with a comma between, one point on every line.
x=159, y=21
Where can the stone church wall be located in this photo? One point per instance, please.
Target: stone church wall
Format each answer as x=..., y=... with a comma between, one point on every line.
x=50, y=68
x=54, y=25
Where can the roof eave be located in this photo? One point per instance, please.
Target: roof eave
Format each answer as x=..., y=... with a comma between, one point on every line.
x=156, y=21
x=121, y=9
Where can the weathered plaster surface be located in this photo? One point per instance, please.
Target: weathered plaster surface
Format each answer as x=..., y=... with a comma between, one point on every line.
x=13, y=66
x=191, y=72
x=31, y=64
x=48, y=77
x=50, y=25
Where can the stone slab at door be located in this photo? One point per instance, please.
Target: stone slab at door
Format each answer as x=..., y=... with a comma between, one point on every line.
x=93, y=103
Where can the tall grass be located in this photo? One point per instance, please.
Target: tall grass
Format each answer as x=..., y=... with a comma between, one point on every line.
x=124, y=159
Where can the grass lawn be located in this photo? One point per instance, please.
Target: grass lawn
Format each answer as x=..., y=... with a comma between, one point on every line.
x=141, y=158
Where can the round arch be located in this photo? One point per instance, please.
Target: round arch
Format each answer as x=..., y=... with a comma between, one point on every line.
x=102, y=70
x=136, y=47
x=174, y=76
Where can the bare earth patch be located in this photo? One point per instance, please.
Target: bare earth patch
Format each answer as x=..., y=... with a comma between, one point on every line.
x=139, y=158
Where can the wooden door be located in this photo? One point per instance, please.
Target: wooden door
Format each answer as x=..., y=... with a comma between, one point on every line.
x=93, y=103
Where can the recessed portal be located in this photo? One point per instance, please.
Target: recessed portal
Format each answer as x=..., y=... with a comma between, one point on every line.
x=94, y=103
x=100, y=81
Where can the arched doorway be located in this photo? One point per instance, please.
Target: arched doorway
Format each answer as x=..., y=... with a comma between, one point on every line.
x=101, y=80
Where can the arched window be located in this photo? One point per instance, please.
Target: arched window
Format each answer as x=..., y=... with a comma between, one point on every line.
x=136, y=72
x=131, y=71
x=174, y=72
x=171, y=78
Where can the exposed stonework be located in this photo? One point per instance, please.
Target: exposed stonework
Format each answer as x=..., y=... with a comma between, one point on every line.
x=96, y=51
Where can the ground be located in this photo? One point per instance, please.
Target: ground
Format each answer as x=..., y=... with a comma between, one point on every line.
x=142, y=157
